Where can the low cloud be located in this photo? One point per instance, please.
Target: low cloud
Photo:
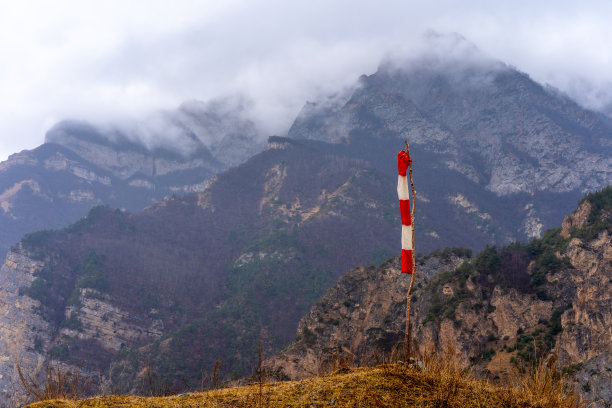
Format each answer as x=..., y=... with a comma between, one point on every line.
x=114, y=61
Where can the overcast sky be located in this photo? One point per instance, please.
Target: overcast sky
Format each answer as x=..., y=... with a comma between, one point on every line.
x=102, y=60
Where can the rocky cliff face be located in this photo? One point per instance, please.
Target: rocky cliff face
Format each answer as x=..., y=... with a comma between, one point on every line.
x=212, y=135
x=128, y=161
x=586, y=339
x=95, y=328
x=361, y=313
x=24, y=335
x=505, y=308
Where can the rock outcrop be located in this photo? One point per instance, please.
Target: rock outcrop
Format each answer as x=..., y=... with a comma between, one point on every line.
x=505, y=308
x=93, y=325
x=24, y=335
x=361, y=313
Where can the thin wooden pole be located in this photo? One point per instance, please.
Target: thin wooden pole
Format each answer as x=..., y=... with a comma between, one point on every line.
x=409, y=296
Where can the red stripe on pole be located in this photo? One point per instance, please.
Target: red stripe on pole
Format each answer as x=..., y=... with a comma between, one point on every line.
x=405, y=212
x=407, y=261
x=403, y=161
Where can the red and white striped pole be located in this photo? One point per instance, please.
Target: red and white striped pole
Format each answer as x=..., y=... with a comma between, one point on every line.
x=403, y=193
x=404, y=165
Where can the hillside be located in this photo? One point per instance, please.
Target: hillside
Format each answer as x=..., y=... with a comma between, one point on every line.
x=119, y=289
x=388, y=385
x=505, y=309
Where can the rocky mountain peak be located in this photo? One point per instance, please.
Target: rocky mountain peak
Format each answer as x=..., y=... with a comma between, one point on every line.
x=577, y=219
x=216, y=131
x=479, y=117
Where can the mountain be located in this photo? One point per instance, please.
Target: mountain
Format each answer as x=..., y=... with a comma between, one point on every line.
x=129, y=166
x=500, y=310
x=477, y=126
x=204, y=276
x=501, y=155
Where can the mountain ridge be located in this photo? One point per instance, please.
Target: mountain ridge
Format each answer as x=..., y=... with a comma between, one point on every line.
x=473, y=107
x=82, y=165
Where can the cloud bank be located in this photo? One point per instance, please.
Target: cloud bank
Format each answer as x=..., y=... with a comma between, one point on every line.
x=115, y=60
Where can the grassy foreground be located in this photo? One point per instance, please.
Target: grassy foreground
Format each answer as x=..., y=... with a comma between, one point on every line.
x=387, y=385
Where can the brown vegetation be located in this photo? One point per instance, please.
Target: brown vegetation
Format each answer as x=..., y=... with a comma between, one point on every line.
x=57, y=383
x=437, y=381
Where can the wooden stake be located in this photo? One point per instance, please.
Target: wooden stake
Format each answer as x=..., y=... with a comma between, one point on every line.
x=409, y=296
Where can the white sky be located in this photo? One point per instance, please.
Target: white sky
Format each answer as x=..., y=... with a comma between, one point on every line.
x=102, y=60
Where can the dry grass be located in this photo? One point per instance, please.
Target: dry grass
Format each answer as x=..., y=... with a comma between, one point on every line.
x=441, y=383
x=545, y=386
x=56, y=384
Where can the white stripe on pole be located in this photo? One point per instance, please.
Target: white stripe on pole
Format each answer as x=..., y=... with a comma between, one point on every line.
x=407, y=237
x=402, y=188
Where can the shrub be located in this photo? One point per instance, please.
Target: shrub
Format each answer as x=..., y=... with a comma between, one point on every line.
x=59, y=352
x=486, y=355
x=309, y=337
x=73, y=322
x=91, y=272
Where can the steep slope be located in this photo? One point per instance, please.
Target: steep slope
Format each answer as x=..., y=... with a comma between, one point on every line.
x=81, y=165
x=201, y=277
x=361, y=314
x=505, y=308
